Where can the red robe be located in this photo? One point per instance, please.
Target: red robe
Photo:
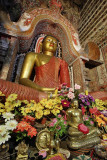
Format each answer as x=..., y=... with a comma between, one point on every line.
x=52, y=74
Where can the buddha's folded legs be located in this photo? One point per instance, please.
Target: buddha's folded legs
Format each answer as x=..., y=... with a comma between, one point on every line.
x=74, y=132
x=23, y=92
x=88, y=142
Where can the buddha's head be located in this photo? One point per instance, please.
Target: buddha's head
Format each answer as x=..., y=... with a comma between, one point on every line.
x=75, y=104
x=49, y=45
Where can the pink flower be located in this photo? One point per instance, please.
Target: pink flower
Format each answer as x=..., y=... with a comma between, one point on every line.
x=65, y=103
x=91, y=122
x=65, y=122
x=59, y=115
x=85, y=118
x=54, y=120
x=51, y=124
x=77, y=86
x=43, y=153
x=71, y=90
x=71, y=95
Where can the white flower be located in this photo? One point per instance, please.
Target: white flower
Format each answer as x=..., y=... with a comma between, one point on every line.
x=77, y=86
x=8, y=116
x=11, y=125
x=2, y=130
x=4, y=138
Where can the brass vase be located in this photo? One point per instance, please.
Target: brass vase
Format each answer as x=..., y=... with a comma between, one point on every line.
x=52, y=145
x=57, y=142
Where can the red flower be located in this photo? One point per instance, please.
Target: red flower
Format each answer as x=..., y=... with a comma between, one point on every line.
x=83, y=128
x=65, y=103
x=32, y=132
x=93, y=110
x=83, y=110
x=23, y=126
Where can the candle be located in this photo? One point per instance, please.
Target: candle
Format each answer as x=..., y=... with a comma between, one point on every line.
x=86, y=92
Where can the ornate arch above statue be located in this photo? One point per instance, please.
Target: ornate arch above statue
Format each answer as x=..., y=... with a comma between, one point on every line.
x=46, y=21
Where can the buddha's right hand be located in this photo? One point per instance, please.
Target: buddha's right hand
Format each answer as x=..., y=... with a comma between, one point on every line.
x=29, y=83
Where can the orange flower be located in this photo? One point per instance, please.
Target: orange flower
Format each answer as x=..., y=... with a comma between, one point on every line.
x=23, y=126
x=100, y=121
x=29, y=119
x=32, y=132
x=103, y=117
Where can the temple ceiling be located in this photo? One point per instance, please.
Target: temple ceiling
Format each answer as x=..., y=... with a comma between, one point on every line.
x=90, y=24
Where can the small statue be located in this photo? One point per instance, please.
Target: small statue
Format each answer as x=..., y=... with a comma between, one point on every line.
x=22, y=151
x=76, y=139
x=4, y=154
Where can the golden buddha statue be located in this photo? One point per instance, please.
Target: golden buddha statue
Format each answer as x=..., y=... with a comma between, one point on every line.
x=50, y=73
x=50, y=70
x=76, y=138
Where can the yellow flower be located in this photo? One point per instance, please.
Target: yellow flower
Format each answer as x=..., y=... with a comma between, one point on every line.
x=43, y=101
x=1, y=105
x=9, y=106
x=46, y=112
x=33, y=108
x=39, y=107
x=11, y=97
x=17, y=103
x=23, y=111
x=2, y=111
x=49, y=104
x=39, y=114
x=27, y=110
x=25, y=101
x=58, y=100
x=32, y=101
x=1, y=94
x=29, y=105
x=59, y=106
x=55, y=111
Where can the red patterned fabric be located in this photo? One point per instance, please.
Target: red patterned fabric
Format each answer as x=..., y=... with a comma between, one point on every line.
x=23, y=92
x=99, y=95
x=52, y=74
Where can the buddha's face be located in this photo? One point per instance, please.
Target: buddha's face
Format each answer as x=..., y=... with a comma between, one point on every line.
x=49, y=44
